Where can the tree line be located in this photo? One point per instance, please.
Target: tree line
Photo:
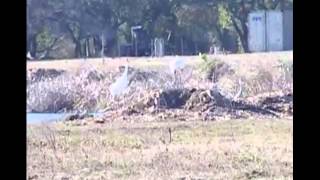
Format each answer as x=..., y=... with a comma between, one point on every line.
x=79, y=28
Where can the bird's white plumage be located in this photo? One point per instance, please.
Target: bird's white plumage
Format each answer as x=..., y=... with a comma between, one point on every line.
x=42, y=55
x=121, y=84
x=176, y=64
x=29, y=56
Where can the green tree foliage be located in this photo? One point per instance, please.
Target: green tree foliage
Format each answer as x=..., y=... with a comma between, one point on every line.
x=224, y=20
x=195, y=24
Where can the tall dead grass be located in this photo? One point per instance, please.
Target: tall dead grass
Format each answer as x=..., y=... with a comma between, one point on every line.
x=88, y=88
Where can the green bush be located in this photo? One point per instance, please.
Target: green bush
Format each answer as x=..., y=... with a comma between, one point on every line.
x=208, y=64
x=44, y=39
x=213, y=68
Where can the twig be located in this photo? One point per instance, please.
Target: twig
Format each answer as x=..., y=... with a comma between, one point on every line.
x=170, y=137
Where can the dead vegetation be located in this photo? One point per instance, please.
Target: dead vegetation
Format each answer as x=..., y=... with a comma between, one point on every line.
x=192, y=128
x=242, y=149
x=158, y=90
x=42, y=74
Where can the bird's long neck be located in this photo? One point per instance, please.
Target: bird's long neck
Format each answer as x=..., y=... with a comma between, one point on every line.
x=126, y=70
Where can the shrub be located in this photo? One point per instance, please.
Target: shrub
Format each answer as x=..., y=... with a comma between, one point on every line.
x=214, y=68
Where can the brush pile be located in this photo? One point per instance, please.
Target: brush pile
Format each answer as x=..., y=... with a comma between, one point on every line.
x=157, y=93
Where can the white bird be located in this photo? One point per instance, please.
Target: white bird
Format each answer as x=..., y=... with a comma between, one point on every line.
x=176, y=64
x=42, y=55
x=175, y=67
x=121, y=84
x=29, y=56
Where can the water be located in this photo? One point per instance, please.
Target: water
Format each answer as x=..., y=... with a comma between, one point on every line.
x=36, y=118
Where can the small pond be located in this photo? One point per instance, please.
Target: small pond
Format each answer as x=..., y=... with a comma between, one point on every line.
x=34, y=118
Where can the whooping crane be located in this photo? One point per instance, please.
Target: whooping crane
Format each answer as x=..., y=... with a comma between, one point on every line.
x=29, y=56
x=121, y=84
x=176, y=64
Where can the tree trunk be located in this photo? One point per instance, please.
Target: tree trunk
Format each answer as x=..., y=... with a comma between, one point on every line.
x=97, y=44
x=241, y=29
x=87, y=48
x=76, y=41
x=244, y=38
x=243, y=35
x=111, y=44
x=102, y=46
x=196, y=48
x=220, y=33
x=78, y=49
x=182, y=48
x=33, y=45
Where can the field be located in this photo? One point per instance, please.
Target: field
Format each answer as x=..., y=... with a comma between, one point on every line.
x=110, y=63
x=201, y=139
x=242, y=149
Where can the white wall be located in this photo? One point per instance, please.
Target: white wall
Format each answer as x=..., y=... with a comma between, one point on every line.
x=274, y=30
x=257, y=37
x=270, y=31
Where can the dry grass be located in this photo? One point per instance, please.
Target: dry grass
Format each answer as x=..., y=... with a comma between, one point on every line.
x=242, y=149
x=110, y=63
x=227, y=149
x=75, y=90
